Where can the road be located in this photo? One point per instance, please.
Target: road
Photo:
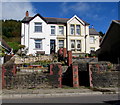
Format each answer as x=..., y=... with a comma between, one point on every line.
x=104, y=98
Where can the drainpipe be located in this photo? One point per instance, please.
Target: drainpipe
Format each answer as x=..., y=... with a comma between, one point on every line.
x=85, y=39
x=66, y=38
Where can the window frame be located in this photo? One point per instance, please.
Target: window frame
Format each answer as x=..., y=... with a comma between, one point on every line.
x=72, y=49
x=93, y=40
x=52, y=29
x=38, y=41
x=78, y=49
x=60, y=30
x=60, y=43
x=36, y=26
x=78, y=29
x=71, y=29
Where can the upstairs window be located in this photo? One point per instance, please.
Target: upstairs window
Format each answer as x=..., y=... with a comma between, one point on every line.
x=38, y=27
x=77, y=29
x=61, y=30
x=38, y=44
x=52, y=30
x=72, y=29
x=92, y=39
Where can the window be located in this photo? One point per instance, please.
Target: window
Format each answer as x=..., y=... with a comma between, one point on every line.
x=52, y=30
x=38, y=27
x=61, y=30
x=61, y=43
x=78, y=45
x=92, y=39
x=38, y=44
x=72, y=29
x=73, y=45
x=92, y=48
x=77, y=29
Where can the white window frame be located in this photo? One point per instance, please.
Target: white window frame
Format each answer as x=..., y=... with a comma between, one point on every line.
x=92, y=39
x=61, y=44
x=72, y=42
x=61, y=31
x=53, y=29
x=78, y=49
x=72, y=29
x=39, y=26
x=39, y=42
x=78, y=30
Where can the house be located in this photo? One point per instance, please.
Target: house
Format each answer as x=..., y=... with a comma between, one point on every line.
x=46, y=35
x=4, y=49
x=110, y=45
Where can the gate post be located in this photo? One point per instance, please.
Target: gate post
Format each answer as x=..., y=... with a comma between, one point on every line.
x=64, y=52
x=90, y=76
x=75, y=75
x=56, y=73
x=69, y=58
x=3, y=79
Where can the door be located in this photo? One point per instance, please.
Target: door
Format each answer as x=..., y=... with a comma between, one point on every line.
x=52, y=46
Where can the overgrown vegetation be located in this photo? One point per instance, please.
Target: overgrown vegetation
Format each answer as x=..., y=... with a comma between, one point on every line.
x=11, y=30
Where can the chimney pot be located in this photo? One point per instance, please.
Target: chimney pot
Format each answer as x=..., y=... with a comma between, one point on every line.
x=27, y=14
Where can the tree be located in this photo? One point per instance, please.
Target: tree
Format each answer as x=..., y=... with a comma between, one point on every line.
x=101, y=33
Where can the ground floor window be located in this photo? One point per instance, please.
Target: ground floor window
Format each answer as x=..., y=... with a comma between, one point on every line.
x=61, y=43
x=75, y=45
x=92, y=49
x=38, y=44
x=72, y=45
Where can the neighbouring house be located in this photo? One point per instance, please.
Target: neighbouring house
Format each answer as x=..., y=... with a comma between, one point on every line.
x=5, y=49
x=110, y=45
x=46, y=35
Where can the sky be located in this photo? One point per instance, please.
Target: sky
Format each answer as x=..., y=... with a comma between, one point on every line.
x=98, y=14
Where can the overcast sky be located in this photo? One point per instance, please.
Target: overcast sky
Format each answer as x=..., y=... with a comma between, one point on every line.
x=98, y=14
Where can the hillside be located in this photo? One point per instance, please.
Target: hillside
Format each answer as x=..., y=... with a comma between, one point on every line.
x=11, y=30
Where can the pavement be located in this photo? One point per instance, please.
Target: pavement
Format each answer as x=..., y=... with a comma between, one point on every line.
x=56, y=92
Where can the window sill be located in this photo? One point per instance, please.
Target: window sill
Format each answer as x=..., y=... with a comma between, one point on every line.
x=37, y=49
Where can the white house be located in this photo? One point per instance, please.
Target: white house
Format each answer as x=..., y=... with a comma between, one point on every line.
x=46, y=35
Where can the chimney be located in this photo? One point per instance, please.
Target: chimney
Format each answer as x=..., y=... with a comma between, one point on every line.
x=27, y=14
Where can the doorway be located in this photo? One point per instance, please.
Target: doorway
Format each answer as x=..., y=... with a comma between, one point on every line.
x=52, y=46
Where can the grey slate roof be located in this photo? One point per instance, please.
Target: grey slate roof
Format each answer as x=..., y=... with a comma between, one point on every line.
x=5, y=45
x=92, y=31
x=49, y=20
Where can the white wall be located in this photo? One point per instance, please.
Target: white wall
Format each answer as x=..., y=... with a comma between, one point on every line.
x=29, y=36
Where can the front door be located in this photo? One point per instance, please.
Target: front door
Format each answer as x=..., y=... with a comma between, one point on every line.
x=52, y=46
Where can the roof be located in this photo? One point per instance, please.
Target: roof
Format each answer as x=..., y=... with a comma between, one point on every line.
x=5, y=45
x=49, y=20
x=92, y=31
x=106, y=35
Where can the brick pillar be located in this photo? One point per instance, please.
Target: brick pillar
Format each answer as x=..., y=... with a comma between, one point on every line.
x=90, y=75
x=64, y=52
x=69, y=61
x=3, y=79
x=14, y=70
x=60, y=51
x=51, y=67
x=75, y=75
x=57, y=76
x=60, y=75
